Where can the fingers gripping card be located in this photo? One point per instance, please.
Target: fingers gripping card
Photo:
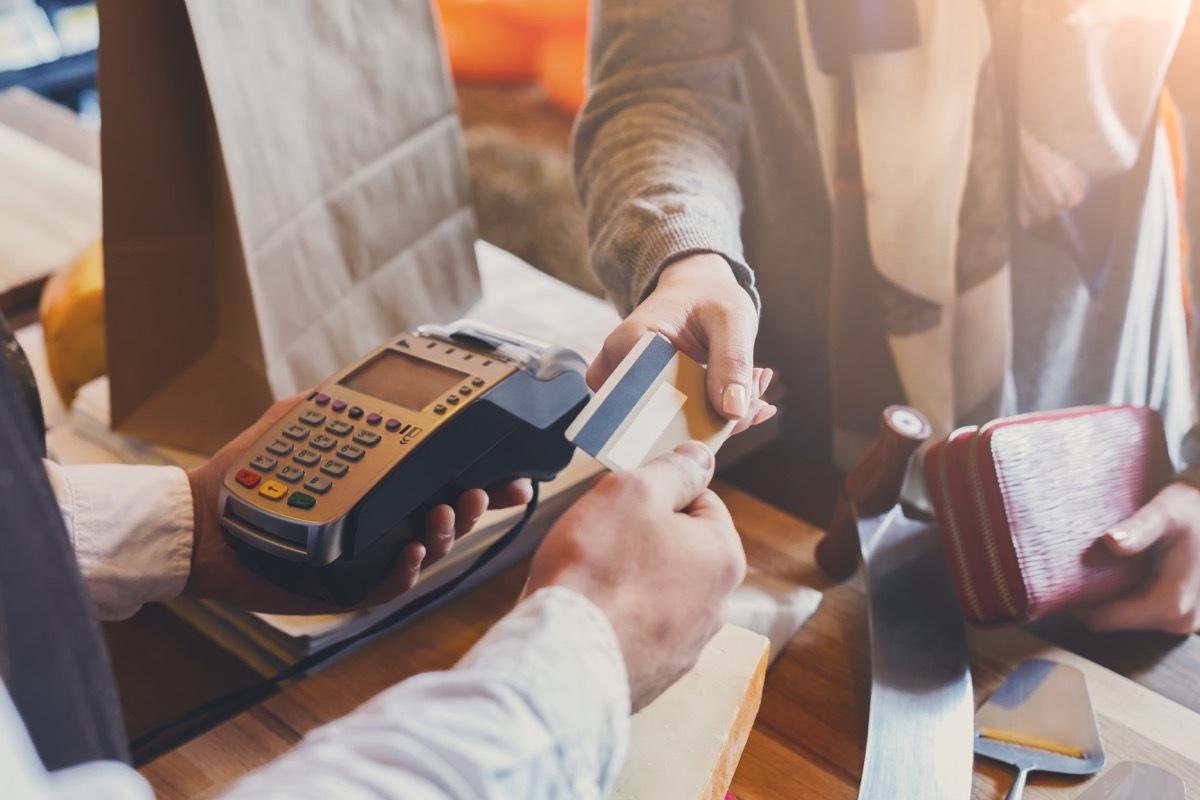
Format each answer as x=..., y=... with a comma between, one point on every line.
x=653, y=401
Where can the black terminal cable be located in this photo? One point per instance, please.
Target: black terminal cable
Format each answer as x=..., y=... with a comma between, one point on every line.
x=171, y=733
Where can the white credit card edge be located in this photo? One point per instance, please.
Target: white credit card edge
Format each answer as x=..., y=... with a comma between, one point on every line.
x=602, y=394
x=676, y=431
x=627, y=450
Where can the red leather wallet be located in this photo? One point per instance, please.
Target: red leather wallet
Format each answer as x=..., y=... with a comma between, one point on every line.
x=1022, y=503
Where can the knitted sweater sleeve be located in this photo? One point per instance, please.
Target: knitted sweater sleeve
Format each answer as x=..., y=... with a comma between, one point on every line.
x=656, y=146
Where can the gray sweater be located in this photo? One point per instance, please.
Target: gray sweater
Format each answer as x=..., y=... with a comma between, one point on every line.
x=698, y=136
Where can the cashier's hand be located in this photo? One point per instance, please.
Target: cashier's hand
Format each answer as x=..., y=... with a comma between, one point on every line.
x=706, y=314
x=1168, y=527
x=217, y=573
x=658, y=553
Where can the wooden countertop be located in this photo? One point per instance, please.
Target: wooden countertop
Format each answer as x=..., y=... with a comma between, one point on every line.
x=809, y=737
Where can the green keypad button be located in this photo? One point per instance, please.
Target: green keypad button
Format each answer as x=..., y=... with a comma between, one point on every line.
x=301, y=500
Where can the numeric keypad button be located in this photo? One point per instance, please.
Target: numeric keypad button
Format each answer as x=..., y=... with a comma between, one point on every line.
x=367, y=438
x=291, y=474
x=335, y=468
x=339, y=428
x=318, y=484
x=264, y=463
x=323, y=442
x=297, y=432
x=349, y=452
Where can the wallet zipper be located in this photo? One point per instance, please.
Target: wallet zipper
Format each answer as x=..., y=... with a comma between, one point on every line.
x=960, y=552
x=989, y=541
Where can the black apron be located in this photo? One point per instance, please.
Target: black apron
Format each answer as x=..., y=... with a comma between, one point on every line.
x=52, y=656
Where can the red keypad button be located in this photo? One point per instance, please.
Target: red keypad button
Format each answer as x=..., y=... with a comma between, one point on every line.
x=247, y=478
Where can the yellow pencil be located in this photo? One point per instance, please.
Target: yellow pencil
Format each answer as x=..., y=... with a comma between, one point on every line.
x=1033, y=742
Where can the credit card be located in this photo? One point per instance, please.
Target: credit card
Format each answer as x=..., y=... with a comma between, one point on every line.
x=653, y=401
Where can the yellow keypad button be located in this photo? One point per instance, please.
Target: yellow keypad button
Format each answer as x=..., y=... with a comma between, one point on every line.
x=272, y=490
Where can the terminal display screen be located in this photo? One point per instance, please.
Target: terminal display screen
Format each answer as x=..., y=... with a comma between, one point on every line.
x=404, y=380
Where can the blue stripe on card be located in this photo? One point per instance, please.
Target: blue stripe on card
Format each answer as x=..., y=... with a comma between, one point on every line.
x=624, y=396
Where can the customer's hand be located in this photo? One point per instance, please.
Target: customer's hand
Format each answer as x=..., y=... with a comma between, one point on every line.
x=1169, y=600
x=218, y=573
x=658, y=553
x=706, y=314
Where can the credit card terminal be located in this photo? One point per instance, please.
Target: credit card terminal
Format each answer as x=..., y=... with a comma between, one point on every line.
x=323, y=502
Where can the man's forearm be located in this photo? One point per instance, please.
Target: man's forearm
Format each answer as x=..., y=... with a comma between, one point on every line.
x=538, y=709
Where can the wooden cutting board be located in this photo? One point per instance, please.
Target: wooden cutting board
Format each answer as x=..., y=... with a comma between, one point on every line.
x=687, y=743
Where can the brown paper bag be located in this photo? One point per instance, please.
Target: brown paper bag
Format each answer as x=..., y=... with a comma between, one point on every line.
x=284, y=189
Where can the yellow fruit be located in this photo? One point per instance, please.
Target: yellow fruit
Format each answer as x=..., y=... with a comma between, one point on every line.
x=72, y=312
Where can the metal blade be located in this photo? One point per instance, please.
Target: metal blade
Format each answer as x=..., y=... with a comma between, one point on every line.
x=921, y=724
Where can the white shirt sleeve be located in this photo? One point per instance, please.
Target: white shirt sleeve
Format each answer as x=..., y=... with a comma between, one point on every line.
x=132, y=529
x=538, y=709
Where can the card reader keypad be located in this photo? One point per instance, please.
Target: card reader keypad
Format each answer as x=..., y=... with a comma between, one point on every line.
x=316, y=453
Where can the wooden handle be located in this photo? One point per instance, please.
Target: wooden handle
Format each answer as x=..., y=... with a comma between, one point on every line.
x=872, y=486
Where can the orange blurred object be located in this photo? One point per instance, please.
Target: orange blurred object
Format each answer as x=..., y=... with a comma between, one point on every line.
x=562, y=68
x=549, y=16
x=484, y=44
x=1169, y=115
x=72, y=316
